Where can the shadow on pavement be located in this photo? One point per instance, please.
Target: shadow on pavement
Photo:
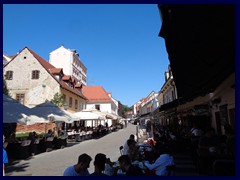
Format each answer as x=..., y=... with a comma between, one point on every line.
x=15, y=166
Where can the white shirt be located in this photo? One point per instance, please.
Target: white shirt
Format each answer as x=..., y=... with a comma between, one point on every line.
x=160, y=164
x=197, y=132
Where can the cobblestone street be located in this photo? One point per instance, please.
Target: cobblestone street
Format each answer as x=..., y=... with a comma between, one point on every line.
x=55, y=162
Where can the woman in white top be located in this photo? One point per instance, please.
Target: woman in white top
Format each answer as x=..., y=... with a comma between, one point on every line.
x=160, y=165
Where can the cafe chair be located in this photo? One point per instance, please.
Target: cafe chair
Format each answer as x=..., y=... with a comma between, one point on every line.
x=23, y=151
x=121, y=150
x=26, y=143
x=34, y=147
x=170, y=170
x=49, y=144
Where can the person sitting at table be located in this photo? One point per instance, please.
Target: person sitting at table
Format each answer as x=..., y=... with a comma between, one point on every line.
x=49, y=133
x=81, y=168
x=133, y=152
x=209, y=141
x=99, y=165
x=156, y=148
x=126, y=166
x=160, y=165
x=196, y=131
x=55, y=132
x=62, y=134
x=33, y=138
x=109, y=167
x=13, y=139
x=125, y=147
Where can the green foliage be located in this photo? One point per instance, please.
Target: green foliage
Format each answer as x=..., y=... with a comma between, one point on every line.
x=57, y=100
x=125, y=109
x=20, y=135
x=5, y=89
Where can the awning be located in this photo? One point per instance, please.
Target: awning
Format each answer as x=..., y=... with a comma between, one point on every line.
x=14, y=112
x=50, y=111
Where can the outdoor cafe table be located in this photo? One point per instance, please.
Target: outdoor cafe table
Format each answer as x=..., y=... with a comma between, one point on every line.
x=145, y=151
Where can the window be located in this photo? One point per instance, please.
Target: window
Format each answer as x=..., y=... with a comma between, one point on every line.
x=9, y=75
x=70, y=102
x=20, y=98
x=35, y=74
x=81, y=106
x=97, y=107
x=76, y=104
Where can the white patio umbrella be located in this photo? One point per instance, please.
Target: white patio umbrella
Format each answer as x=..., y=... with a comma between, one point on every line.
x=88, y=115
x=105, y=114
x=52, y=112
x=111, y=116
x=14, y=112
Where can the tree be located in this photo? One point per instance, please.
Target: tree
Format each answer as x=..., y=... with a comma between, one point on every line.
x=125, y=109
x=58, y=100
x=5, y=89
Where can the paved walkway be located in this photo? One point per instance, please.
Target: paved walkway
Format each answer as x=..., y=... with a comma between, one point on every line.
x=55, y=162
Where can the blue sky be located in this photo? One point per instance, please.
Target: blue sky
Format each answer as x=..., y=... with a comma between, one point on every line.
x=118, y=44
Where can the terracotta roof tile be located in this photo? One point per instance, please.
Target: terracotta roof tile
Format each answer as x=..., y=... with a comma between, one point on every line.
x=42, y=61
x=95, y=93
x=56, y=70
x=50, y=67
x=66, y=77
x=78, y=85
x=75, y=91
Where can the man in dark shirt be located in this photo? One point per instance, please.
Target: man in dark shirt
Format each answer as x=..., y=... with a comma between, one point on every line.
x=99, y=165
x=125, y=165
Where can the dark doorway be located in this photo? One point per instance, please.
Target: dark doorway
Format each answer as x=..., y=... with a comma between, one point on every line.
x=218, y=122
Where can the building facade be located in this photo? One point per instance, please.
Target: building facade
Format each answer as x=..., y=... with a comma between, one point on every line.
x=70, y=62
x=99, y=99
x=169, y=90
x=32, y=80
